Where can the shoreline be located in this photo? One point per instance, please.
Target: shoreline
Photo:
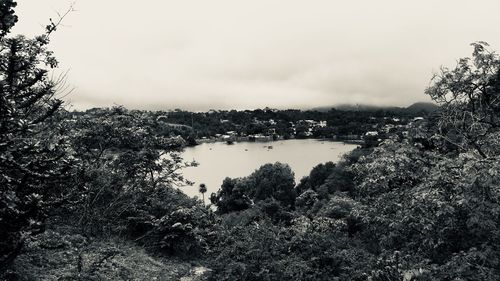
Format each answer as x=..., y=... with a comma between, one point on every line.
x=202, y=141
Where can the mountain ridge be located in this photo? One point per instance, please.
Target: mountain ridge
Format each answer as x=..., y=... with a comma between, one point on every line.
x=426, y=107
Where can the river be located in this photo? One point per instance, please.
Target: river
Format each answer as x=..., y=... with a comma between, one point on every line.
x=219, y=160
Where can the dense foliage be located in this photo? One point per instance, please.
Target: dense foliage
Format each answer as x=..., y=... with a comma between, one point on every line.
x=34, y=161
x=420, y=207
x=106, y=174
x=274, y=181
x=423, y=205
x=470, y=102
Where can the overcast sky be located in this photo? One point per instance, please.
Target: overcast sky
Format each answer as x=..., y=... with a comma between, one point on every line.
x=198, y=55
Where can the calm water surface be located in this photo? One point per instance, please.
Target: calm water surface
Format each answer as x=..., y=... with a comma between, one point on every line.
x=219, y=160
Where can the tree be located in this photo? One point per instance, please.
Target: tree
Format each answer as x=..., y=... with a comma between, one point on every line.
x=7, y=16
x=316, y=177
x=34, y=164
x=469, y=96
x=203, y=189
x=272, y=181
x=231, y=197
x=122, y=160
x=275, y=181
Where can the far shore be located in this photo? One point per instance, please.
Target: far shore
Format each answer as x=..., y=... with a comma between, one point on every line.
x=246, y=139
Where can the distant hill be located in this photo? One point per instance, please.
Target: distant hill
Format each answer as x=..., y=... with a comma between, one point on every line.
x=354, y=107
x=426, y=107
x=417, y=107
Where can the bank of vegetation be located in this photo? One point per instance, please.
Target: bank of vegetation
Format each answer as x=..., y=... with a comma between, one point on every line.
x=94, y=198
x=272, y=124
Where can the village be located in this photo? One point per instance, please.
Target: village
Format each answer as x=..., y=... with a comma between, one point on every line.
x=313, y=129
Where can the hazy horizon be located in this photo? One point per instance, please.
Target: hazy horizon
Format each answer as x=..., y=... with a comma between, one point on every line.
x=318, y=108
x=243, y=55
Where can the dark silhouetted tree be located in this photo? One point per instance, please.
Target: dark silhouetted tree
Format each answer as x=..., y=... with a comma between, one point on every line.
x=231, y=196
x=272, y=181
x=203, y=190
x=33, y=160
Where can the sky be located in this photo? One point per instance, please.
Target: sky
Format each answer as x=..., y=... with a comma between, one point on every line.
x=235, y=54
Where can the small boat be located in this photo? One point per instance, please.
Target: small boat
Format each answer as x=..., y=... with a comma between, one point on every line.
x=270, y=147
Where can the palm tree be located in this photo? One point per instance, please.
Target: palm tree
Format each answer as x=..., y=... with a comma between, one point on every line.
x=203, y=189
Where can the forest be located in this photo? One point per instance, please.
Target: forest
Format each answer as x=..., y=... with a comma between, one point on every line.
x=92, y=196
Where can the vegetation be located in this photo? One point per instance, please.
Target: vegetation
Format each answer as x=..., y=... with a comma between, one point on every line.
x=420, y=207
x=34, y=161
x=468, y=96
x=91, y=196
x=345, y=124
x=203, y=190
x=274, y=181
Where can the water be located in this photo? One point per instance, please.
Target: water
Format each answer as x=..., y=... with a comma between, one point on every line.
x=219, y=160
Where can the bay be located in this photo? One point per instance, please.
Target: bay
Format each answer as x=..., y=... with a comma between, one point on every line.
x=219, y=160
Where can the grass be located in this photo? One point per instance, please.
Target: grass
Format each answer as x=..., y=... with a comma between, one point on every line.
x=57, y=255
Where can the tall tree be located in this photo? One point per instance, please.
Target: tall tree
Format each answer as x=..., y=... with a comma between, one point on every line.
x=272, y=181
x=469, y=96
x=33, y=162
x=203, y=190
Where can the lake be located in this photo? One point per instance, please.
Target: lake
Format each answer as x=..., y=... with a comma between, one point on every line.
x=219, y=160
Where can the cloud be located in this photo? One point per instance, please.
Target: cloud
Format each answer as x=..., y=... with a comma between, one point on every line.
x=246, y=54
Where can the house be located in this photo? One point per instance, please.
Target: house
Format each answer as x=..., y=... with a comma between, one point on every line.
x=387, y=128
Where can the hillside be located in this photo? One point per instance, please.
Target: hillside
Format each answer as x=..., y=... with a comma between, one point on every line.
x=426, y=107
x=417, y=107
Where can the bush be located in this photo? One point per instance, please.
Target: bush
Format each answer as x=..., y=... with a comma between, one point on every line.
x=270, y=181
